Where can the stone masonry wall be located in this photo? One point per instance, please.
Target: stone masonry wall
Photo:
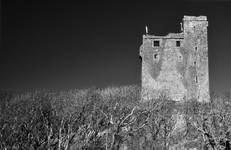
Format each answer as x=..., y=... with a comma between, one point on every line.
x=178, y=71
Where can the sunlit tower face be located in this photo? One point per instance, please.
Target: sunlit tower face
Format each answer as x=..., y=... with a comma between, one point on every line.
x=176, y=65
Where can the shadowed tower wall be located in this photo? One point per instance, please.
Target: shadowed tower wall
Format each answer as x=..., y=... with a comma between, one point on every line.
x=176, y=65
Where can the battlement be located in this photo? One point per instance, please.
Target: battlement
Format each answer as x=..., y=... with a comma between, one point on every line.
x=188, y=22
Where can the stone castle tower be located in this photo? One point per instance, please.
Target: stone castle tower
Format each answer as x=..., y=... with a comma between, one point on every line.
x=177, y=64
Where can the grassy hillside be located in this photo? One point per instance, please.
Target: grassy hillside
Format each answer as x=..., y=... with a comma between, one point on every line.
x=109, y=119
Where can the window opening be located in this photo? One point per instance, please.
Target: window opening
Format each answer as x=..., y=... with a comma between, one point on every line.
x=155, y=56
x=156, y=43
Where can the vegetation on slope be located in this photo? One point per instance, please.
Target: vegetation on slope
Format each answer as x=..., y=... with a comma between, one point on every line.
x=109, y=119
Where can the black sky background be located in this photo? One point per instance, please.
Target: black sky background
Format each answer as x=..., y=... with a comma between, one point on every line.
x=80, y=44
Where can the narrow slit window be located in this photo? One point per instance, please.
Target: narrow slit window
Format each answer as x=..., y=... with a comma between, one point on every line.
x=156, y=43
x=177, y=43
x=196, y=79
x=180, y=58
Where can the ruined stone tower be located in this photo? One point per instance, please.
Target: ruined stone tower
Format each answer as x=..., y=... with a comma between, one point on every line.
x=177, y=64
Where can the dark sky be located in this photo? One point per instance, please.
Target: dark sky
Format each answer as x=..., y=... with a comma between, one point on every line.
x=80, y=44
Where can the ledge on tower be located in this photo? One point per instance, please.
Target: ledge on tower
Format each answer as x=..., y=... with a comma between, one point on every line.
x=169, y=36
x=194, y=18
